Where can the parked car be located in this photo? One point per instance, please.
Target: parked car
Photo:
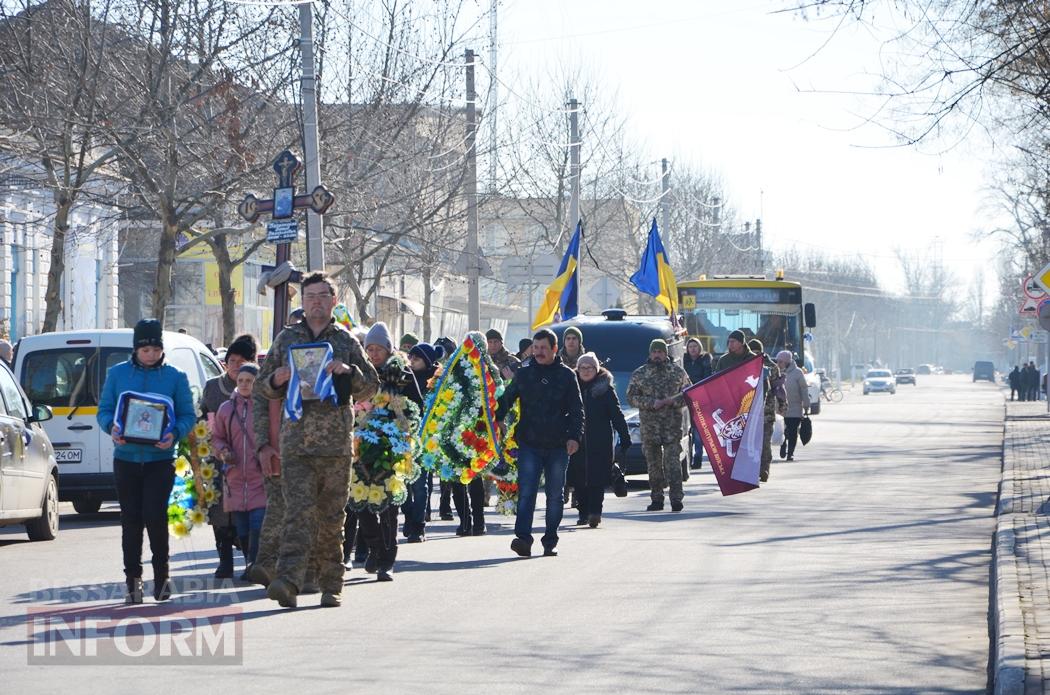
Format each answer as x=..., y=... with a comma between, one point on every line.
x=28, y=471
x=905, y=376
x=65, y=371
x=622, y=344
x=879, y=380
x=984, y=370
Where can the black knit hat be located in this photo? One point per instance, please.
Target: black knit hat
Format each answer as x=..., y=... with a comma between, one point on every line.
x=738, y=335
x=447, y=344
x=148, y=333
x=427, y=352
x=524, y=344
x=493, y=334
x=244, y=346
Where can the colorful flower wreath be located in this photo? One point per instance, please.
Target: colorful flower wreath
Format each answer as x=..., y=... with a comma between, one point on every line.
x=507, y=478
x=460, y=439
x=386, y=444
x=195, y=490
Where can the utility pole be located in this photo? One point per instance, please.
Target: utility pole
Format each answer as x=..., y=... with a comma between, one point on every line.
x=493, y=96
x=574, y=186
x=314, y=225
x=471, y=189
x=758, y=244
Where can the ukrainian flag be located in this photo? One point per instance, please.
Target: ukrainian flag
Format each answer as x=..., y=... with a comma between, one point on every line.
x=562, y=295
x=654, y=276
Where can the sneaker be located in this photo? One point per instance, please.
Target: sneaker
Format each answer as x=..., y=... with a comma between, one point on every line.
x=550, y=552
x=593, y=520
x=384, y=576
x=416, y=538
x=790, y=458
x=479, y=531
x=330, y=600
x=521, y=547
x=677, y=506
x=257, y=574
x=447, y=516
x=134, y=595
x=283, y=592
x=655, y=507
x=581, y=521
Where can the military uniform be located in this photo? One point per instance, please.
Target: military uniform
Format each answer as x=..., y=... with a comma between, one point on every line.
x=316, y=455
x=769, y=415
x=661, y=429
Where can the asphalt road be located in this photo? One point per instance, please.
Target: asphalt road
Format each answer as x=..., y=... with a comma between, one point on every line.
x=860, y=567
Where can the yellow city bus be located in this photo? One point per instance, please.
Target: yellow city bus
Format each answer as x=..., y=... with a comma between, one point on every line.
x=771, y=310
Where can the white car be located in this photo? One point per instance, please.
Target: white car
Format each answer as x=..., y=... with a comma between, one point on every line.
x=879, y=380
x=65, y=371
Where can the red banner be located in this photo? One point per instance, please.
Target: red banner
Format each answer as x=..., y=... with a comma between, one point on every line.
x=721, y=407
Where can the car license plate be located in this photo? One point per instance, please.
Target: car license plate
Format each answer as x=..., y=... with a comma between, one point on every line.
x=68, y=455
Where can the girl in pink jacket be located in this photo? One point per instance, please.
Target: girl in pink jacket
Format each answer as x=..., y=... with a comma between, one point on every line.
x=233, y=441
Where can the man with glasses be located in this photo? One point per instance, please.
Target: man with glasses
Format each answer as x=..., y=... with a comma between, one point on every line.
x=317, y=448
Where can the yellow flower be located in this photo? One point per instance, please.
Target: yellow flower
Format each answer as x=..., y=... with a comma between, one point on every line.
x=432, y=445
x=432, y=426
x=196, y=516
x=380, y=399
x=403, y=467
x=182, y=466
x=203, y=450
x=477, y=464
x=210, y=496
x=395, y=485
x=200, y=431
x=440, y=410
x=180, y=529
x=207, y=472
x=448, y=395
x=465, y=476
x=359, y=492
x=376, y=494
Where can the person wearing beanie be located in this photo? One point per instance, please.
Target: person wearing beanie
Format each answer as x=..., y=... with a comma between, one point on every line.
x=736, y=353
x=408, y=341
x=218, y=390
x=524, y=350
x=572, y=347
x=379, y=335
x=771, y=379
x=655, y=390
x=316, y=447
x=423, y=359
x=697, y=364
x=590, y=468
x=447, y=344
x=507, y=363
x=145, y=473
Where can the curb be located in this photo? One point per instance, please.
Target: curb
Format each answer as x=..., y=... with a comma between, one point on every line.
x=1008, y=643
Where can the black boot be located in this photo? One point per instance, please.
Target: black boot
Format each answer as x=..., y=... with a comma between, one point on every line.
x=225, y=568
x=134, y=594
x=245, y=545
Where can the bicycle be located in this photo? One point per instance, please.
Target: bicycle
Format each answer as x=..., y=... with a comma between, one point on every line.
x=833, y=395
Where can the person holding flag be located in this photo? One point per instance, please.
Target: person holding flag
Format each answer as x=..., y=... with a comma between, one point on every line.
x=562, y=297
x=655, y=277
x=655, y=390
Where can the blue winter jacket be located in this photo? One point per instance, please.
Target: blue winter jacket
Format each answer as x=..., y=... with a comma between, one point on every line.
x=162, y=379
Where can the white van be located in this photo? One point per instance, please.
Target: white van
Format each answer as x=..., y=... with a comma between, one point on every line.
x=65, y=371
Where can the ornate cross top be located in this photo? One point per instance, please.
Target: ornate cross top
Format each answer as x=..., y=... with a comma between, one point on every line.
x=287, y=165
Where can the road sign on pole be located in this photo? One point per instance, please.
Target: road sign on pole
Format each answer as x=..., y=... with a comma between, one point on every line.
x=1042, y=278
x=1033, y=289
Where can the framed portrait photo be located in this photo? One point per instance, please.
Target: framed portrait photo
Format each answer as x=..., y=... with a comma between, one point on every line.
x=143, y=421
x=283, y=203
x=309, y=362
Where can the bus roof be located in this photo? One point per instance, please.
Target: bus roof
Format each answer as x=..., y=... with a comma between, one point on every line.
x=739, y=282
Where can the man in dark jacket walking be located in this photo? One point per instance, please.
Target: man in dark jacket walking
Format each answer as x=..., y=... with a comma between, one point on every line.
x=697, y=364
x=549, y=432
x=1015, y=382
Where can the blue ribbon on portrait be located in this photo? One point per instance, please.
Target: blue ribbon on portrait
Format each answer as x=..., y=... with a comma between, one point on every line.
x=323, y=386
x=169, y=410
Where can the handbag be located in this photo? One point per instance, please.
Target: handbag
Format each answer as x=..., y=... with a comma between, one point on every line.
x=778, y=431
x=619, y=482
x=805, y=430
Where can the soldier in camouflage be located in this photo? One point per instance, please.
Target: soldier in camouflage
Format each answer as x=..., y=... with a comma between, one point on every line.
x=772, y=374
x=655, y=390
x=317, y=449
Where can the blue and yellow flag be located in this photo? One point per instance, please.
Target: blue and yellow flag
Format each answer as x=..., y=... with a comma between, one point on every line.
x=562, y=295
x=654, y=276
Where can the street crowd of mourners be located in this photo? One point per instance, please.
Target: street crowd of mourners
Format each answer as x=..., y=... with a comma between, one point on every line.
x=296, y=497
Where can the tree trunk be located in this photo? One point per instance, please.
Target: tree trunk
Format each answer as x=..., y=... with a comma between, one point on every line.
x=53, y=294
x=163, y=288
x=428, y=282
x=221, y=250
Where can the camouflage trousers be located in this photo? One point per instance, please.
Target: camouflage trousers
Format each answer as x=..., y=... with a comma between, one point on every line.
x=767, y=444
x=273, y=526
x=665, y=468
x=316, y=490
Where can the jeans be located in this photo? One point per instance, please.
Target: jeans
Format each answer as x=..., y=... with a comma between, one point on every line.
x=143, y=490
x=248, y=525
x=698, y=448
x=552, y=464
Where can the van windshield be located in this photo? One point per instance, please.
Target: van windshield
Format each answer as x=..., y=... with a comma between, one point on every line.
x=68, y=377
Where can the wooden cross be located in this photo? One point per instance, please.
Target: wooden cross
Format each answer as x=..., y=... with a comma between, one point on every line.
x=286, y=167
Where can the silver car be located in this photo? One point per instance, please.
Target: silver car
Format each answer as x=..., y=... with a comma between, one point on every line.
x=28, y=471
x=879, y=380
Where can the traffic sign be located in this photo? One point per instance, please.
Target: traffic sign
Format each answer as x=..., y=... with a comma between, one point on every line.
x=1032, y=288
x=1044, y=314
x=282, y=231
x=518, y=271
x=1028, y=306
x=1042, y=278
x=604, y=292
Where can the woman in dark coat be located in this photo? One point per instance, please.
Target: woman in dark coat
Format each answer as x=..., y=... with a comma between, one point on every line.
x=590, y=468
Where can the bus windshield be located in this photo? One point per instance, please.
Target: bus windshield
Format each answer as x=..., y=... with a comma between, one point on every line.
x=770, y=313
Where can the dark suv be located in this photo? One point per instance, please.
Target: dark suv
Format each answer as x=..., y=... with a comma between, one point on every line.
x=984, y=370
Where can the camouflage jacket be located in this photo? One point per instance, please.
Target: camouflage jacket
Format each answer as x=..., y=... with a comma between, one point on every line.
x=728, y=360
x=772, y=375
x=503, y=358
x=324, y=429
x=655, y=380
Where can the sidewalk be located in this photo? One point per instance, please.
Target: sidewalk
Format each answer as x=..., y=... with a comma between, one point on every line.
x=1021, y=555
